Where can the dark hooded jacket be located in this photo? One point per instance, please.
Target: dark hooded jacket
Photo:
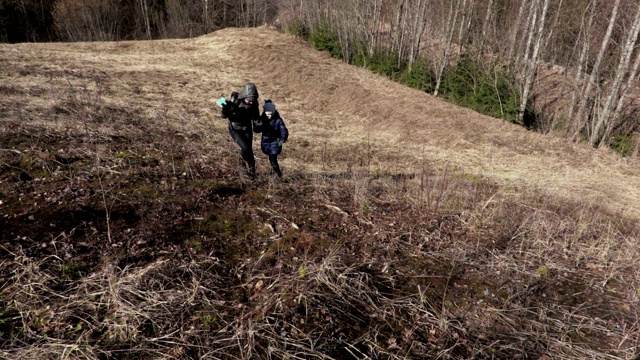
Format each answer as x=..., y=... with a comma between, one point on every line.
x=239, y=113
x=274, y=133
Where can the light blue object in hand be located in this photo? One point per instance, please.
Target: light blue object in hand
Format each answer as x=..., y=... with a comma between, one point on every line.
x=222, y=102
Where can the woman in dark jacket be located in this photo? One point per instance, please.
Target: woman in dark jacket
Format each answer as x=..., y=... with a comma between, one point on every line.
x=242, y=110
x=274, y=134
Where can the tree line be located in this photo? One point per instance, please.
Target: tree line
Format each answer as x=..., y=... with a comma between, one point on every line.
x=110, y=20
x=594, y=42
x=485, y=52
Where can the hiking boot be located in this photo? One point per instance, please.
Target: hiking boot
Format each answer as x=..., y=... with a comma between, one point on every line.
x=251, y=173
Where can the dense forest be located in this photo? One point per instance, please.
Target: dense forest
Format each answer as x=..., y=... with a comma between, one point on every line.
x=565, y=66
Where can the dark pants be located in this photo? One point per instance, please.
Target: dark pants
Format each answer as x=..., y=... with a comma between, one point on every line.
x=244, y=139
x=273, y=159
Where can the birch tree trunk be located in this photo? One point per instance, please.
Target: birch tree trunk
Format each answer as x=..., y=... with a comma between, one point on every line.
x=586, y=35
x=514, y=30
x=394, y=33
x=532, y=63
x=402, y=29
x=446, y=52
x=621, y=71
x=145, y=16
x=463, y=21
x=417, y=31
x=522, y=58
x=581, y=117
x=206, y=15
x=465, y=25
x=374, y=28
x=554, y=26
x=617, y=113
x=243, y=12
x=485, y=26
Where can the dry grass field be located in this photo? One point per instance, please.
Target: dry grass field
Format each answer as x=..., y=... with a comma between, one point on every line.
x=406, y=227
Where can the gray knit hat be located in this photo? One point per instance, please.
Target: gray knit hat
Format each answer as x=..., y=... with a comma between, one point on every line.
x=269, y=107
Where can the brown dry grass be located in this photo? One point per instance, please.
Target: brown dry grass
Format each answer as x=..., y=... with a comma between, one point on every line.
x=409, y=228
x=328, y=100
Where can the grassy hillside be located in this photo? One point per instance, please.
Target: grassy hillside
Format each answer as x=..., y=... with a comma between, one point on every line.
x=406, y=227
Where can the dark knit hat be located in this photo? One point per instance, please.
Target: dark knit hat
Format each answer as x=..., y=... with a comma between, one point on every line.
x=269, y=107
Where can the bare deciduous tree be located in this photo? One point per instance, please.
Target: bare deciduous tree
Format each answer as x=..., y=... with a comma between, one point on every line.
x=145, y=16
x=581, y=116
x=622, y=70
x=485, y=26
x=531, y=63
x=89, y=20
x=513, y=40
x=450, y=26
x=585, y=35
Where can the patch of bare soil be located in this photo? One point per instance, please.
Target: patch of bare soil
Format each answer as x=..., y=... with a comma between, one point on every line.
x=405, y=228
